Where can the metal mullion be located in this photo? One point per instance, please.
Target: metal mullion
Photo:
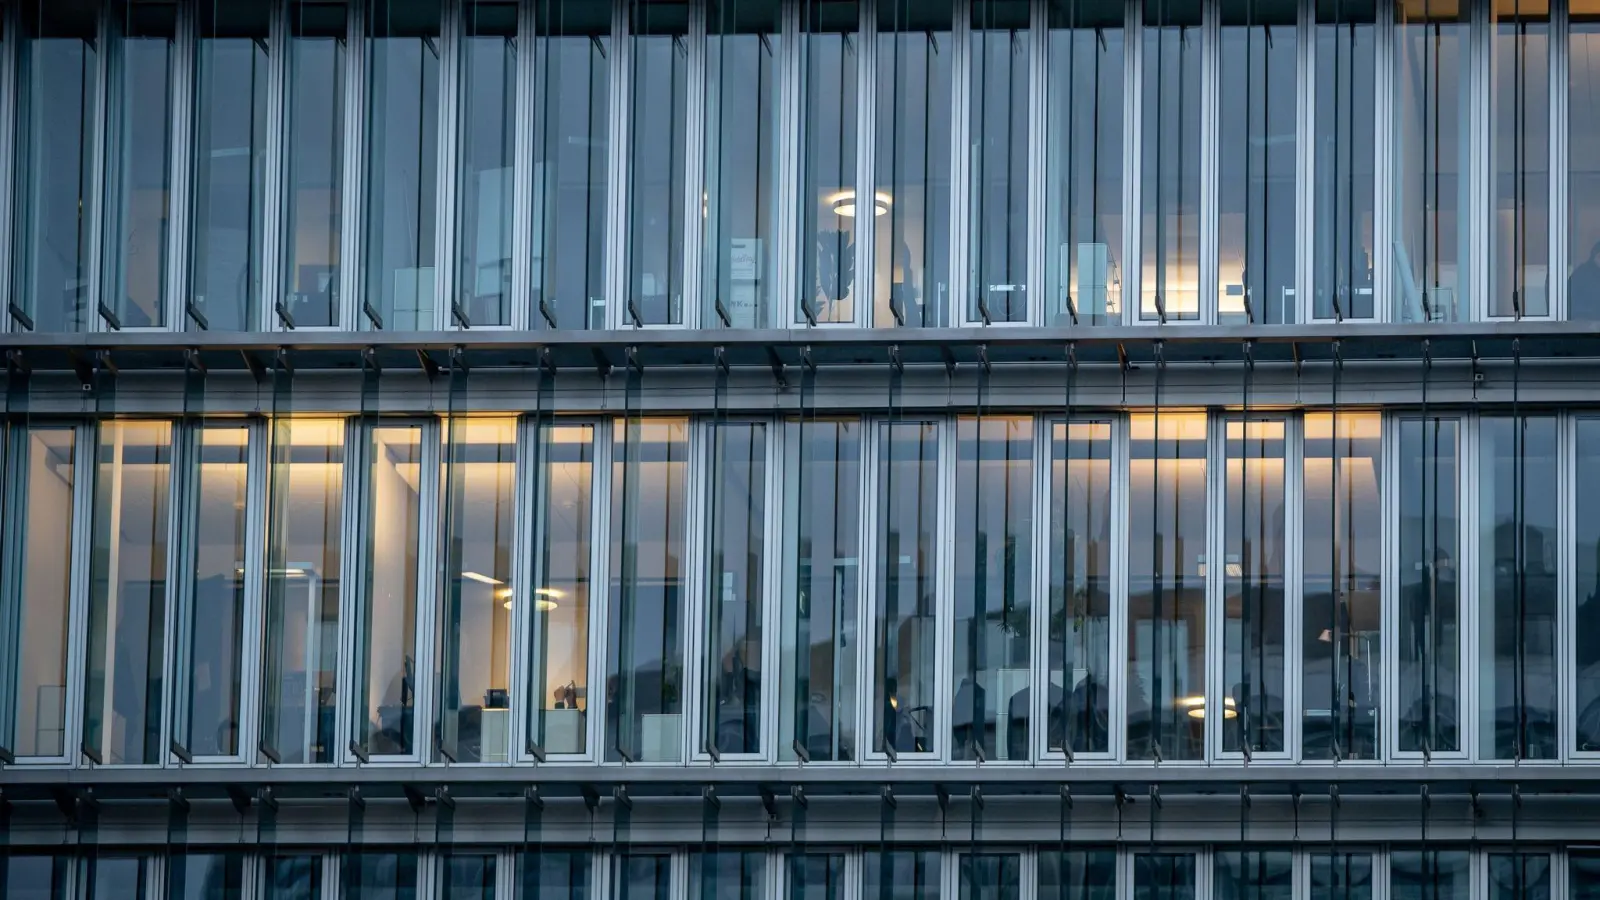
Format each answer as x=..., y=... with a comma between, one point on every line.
x=869, y=598
x=1215, y=542
x=1133, y=154
x=524, y=160
x=430, y=564
x=964, y=182
x=772, y=579
x=1210, y=66
x=866, y=157
x=618, y=179
x=1305, y=162
x=1559, y=180
x=696, y=89
x=1120, y=536
x=601, y=486
x=78, y=630
x=182, y=546
x=1294, y=586
x=10, y=88
x=1383, y=222
x=948, y=435
x=524, y=526
x=1038, y=160
x=1389, y=615
x=1566, y=593
x=699, y=538
x=352, y=581
x=257, y=503
x=352, y=222
x=273, y=218
x=183, y=70
x=1480, y=159
x=449, y=171
x=100, y=153
x=1468, y=435
x=786, y=194
x=1044, y=429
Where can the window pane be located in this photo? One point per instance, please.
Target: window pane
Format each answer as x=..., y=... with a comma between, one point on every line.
x=906, y=639
x=900, y=875
x=34, y=877
x=827, y=250
x=555, y=875
x=644, y=657
x=1169, y=168
x=1078, y=875
x=641, y=877
x=660, y=72
x=1517, y=511
x=990, y=876
x=816, y=876
x=1520, y=264
x=1258, y=148
x=822, y=593
x=230, y=165
x=737, y=588
x=37, y=592
x=57, y=117
x=213, y=662
x=1254, y=875
x=560, y=615
x=1586, y=624
x=1166, y=587
x=1079, y=642
x=911, y=244
x=293, y=878
x=402, y=164
x=733, y=876
x=488, y=130
x=139, y=167
x=468, y=877
x=1430, y=613
x=303, y=567
x=992, y=703
x=1341, y=646
x=1000, y=67
x=205, y=876
x=1519, y=876
x=1429, y=875
x=128, y=592
x=1084, y=214
x=1344, y=191
x=1253, y=628
x=315, y=178
x=1347, y=876
x=571, y=137
x=1583, y=162
x=1163, y=876
x=475, y=702
x=740, y=254
x=386, y=664
x=1430, y=159
x=115, y=878
x=1583, y=876
x=380, y=876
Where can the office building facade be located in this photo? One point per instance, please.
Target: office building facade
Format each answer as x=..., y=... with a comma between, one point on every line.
x=817, y=449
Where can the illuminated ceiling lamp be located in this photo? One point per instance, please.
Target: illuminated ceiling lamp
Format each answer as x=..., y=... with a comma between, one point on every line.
x=844, y=203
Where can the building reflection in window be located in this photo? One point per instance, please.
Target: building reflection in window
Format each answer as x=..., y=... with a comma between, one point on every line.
x=1169, y=168
x=292, y=878
x=1078, y=642
x=484, y=188
x=905, y=613
x=1429, y=874
x=1166, y=587
x=475, y=700
x=999, y=70
x=35, y=588
x=116, y=878
x=55, y=208
x=230, y=167
x=402, y=165
x=1164, y=876
x=743, y=58
x=911, y=243
x=736, y=588
x=900, y=875
x=1586, y=624
x=1344, y=191
x=1258, y=152
x=644, y=655
x=821, y=598
x=990, y=876
x=562, y=579
x=657, y=162
x=1253, y=875
x=386, y=639
x=556, y=875
x=1077, y=875
x=467, y=876
x=128, y=593
x=1518, y=496
x=1254, y=635
x=35, y=877
x=732, y=875
x=139, y=167
x=314, y=180
x=380, y=876
x=816, y=876
x=211, y=667
x=1429, y=598
x=1520, y=876
x=830, y=204
x=1084, y=212
x=640, y=876
x=991, y=707
x=1430, y=160
x=1342, y=561
x=1347, y=876
x=205, y=876
x=1519, y=152
x=304, y=558
x=1583, y=160
x=1583, y=875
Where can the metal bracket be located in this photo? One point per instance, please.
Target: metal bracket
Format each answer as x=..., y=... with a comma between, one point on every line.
x=769, y=802
x=414, y=798
x=429, y=366
x=776, y=363
x=798, y=795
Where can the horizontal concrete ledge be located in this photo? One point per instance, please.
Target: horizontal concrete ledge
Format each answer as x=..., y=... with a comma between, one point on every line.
x=559, y=780
x=999, y=345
